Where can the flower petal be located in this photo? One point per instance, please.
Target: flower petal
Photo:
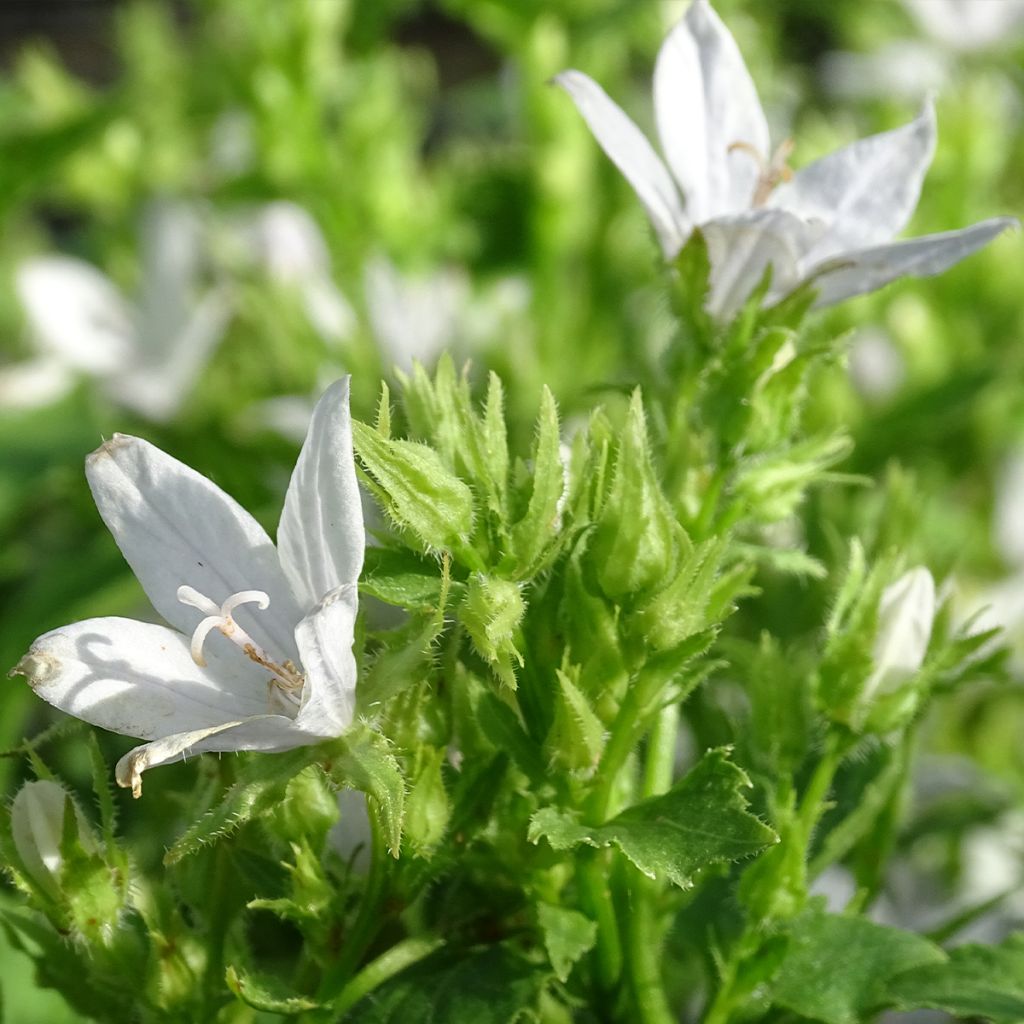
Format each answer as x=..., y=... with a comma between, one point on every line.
x=854, y=273
x=139, y=679
x=706, y=103
x=175, y=527
x=865, y=192
x=324, y=639
x=628, y=148
x=265, y=733
x=76, y=313
x=321, y=537
x=742, y=246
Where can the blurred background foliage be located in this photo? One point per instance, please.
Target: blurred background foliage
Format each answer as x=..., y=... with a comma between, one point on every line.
x=462, y=203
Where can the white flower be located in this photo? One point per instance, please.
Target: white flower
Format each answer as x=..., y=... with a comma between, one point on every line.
x=905, y=615
x=831, y=223
x=147, y=355
x=225, y=676
x=37, y=825
x=286, y=241
x=964, y=25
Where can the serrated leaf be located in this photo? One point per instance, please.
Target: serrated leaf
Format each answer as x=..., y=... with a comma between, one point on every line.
x=493, y=986
x=263, y=992
x=701, y=820
x=568, y=935
x=261, y=784
x=976, y=981
x=836, y=967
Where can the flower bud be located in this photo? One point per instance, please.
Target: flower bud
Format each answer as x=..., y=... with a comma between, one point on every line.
x=427, y=808
x=491, y=613
x=905, y=614
x=38, y=829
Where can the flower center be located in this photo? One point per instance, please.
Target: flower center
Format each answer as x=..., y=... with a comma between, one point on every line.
x=286, y=679
x=772, y=172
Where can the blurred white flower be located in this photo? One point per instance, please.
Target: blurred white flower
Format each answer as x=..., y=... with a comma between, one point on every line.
x=905, y=615
x=37, y=825
x=413, y=318
x=904, y=69
x=831, y=223
x=966, y=25
x=221, y=678
x=145, y=355
x=876, y=364
x=1008, y=518
x=288, y=244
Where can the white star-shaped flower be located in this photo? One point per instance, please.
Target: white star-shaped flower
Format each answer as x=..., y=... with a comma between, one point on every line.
x=224, y=675
x=831, y=223
x=147, y=354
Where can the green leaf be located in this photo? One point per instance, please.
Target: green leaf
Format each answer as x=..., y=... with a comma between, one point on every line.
x=539, y=525
x=836, y=968
x=976, y=981
x=701, y=820
x=260, y=786
x=402, y=579
x=492, y=986
x=263, y=992
x=568, y=935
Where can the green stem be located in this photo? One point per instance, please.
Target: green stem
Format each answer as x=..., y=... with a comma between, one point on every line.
x=597, y=900
x=387, y=965
x=368, y=919
x=644, y=931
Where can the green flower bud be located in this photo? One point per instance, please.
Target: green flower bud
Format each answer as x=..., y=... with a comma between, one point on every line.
x=491, y=613
x=427, y=808
x=634, y=546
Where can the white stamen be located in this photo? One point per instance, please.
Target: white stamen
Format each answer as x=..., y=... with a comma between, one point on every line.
x=287, y=678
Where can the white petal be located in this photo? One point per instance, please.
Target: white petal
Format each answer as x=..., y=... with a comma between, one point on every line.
x=969, y=24
x=290, y=244
x=264, y=733
x=76, y=313
x=742, y=246
x=628, y=148
x=321, y=537
x=37, y=827
x=324, y=638
x=706, y=103
x=865, y=192
x=854, y=273
x=905, y=615
x=175, y=527
x=328, y=311
x=139, y=679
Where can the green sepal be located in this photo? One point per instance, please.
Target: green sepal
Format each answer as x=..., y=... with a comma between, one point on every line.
x=577, y=734
x=492, y=611
x=427, y=807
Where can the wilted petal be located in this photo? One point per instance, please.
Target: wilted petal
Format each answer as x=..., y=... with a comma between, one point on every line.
x=139, y=679
x=741, y=248
x=905, y=615
x=321, y=537
x=265, y=733
x=706, y=103
x=324, y=638
x=865, y=192
x=628, y=148
x=175, y=527
x=76, y=313
x=854, y=273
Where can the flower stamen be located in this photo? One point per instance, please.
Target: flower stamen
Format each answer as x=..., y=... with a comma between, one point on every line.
x=772, y=172
x=287, y=679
